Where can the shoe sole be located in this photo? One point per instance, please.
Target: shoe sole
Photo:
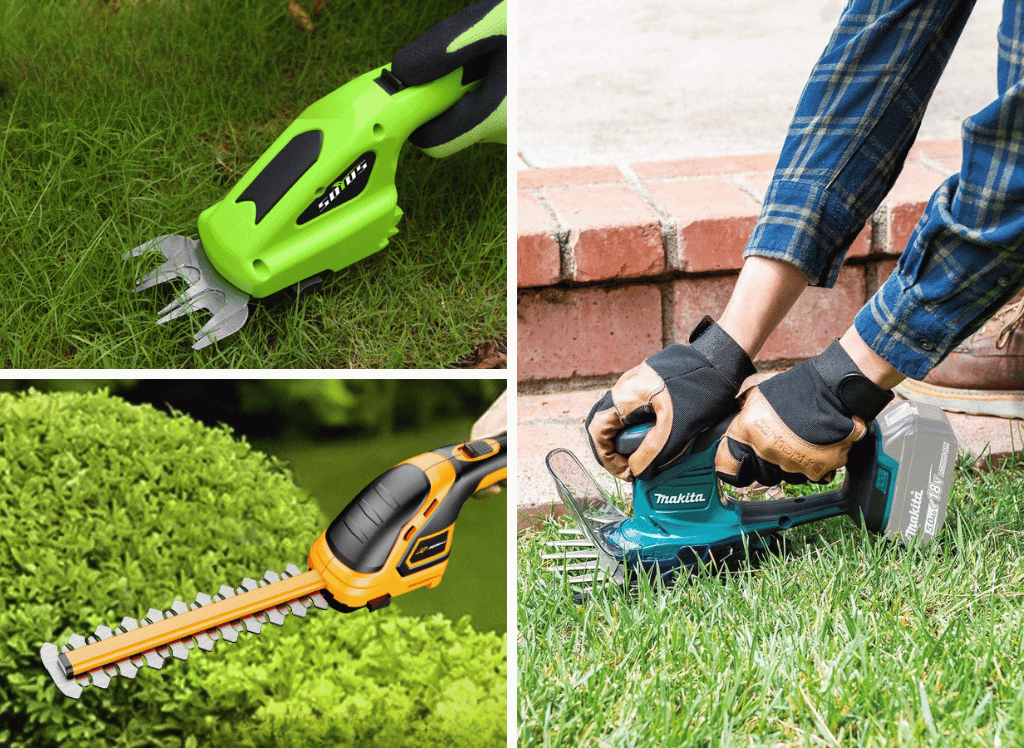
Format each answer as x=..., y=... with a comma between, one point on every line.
x=1001, y=403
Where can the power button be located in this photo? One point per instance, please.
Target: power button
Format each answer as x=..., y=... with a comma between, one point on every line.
x=476, y=449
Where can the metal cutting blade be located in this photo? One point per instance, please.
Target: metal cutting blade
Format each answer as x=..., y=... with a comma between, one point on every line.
x=185, y=259
x=160, y=634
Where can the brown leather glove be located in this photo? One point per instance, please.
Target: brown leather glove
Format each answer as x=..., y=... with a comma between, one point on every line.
x=683, y=388
x=800, y=425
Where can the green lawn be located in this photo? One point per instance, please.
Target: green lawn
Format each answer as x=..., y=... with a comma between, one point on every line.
x=848, y=640
x=117, y=126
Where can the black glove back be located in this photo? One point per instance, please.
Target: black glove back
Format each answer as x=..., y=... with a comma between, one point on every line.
x=683, y=388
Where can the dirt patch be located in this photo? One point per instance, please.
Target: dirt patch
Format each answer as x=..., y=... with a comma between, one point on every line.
x=491, y=354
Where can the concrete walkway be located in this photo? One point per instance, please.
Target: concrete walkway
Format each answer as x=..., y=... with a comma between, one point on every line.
x=608, y=82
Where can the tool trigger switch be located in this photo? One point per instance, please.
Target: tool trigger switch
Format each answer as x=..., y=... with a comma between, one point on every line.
x=479, y=448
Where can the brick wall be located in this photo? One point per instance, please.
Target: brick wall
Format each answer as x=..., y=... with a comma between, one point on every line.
x=615, y=263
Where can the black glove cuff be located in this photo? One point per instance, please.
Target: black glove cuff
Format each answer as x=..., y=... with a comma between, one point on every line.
x=724, y=353
x=863, y=397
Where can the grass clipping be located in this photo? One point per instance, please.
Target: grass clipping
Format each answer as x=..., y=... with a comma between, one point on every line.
x=110, y=509
x=848, y=640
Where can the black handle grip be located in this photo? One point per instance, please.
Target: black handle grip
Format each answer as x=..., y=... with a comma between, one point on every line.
x=627, y=441
x=856, y=497
x=469, y=476
x=365, y=531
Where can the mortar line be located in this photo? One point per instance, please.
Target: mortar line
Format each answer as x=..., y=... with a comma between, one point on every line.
x=561, y=235
x=669, y=231
x=525, y=160
x=669, y=245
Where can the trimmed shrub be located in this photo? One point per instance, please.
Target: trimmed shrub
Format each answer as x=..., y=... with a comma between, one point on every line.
x=109, y=509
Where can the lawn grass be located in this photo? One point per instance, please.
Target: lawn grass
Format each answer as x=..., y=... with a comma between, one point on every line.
x=117, y=126
x=847, y=640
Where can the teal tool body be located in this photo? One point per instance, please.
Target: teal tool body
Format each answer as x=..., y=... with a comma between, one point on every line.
x=322, y=197
x=897, y=483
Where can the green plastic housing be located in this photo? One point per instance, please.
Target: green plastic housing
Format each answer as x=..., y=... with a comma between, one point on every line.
x=264, y=253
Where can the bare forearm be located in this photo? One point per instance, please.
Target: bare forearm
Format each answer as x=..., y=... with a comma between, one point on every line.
x=871, y=365
x=765, y=292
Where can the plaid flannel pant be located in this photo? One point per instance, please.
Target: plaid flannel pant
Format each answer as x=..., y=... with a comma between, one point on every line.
x=855, y=122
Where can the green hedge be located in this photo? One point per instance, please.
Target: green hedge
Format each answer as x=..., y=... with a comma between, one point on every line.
x=272, y=406
x=109, y=509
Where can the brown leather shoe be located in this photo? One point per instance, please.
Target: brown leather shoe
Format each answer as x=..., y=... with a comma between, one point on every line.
x=984, y=375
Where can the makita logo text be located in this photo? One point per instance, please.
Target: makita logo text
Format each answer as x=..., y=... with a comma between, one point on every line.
x=678, y=498
x=936, y=481
x=342, y=184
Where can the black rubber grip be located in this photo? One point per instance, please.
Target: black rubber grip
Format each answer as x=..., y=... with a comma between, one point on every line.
x=859, y=496
x=467, y=484
x=283, y=171
x=627, y=441
x=469, y=476
x=364, y=532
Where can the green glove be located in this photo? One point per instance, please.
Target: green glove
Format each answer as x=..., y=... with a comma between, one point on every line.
x=475, y=37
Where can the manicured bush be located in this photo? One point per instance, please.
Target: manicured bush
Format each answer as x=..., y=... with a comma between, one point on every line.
x=108, y=509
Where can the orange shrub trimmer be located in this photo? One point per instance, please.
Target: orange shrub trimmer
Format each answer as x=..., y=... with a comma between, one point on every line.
x=395, y=536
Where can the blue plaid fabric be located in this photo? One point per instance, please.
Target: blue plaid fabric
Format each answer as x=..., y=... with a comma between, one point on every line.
x=854, y=124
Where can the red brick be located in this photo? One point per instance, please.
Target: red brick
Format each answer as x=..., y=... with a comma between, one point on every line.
x=571, y=176
x=613, y=233
x=882, y=270
x=713, y=218
x=531, y=516
x=943, y=155
x=705, y=167
x=692, y=298
x=820, y=315
x=757, y=182
x=586, y=332
x=861, y=246
x=537, y=254
x=906, y=202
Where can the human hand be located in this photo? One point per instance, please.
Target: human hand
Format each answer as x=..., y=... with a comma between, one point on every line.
x=799, y=426
x=684, y=388
x=474, y=37
x=493, y=421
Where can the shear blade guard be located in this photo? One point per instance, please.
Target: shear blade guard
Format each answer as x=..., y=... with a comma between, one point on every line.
x=586, y=555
